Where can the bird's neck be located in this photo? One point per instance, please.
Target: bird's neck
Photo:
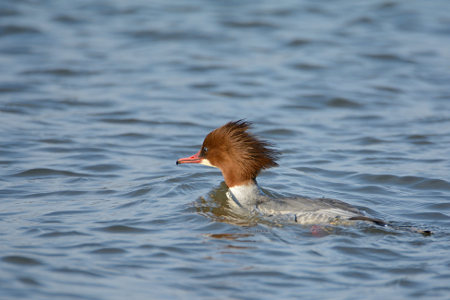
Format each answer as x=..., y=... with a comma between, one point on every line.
x=245, y=195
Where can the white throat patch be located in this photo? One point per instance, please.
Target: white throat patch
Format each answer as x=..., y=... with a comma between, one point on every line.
x=207, y=163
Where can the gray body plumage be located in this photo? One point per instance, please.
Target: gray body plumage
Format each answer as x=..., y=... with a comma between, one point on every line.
x=296, y=210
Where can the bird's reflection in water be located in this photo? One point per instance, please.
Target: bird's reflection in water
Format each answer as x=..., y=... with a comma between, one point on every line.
x=215, y=206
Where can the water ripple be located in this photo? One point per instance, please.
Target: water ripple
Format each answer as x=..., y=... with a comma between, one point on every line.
x=40, y=172
x=17, y=29
x=104, y=167
x=76, y=271
x=55, y=234
x=107, y=251
x=21, y=260
x=59, y=72
x=414, y=182
x=122, y=229
x=69, y=212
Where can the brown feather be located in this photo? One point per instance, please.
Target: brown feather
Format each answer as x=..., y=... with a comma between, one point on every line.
x=239, y=154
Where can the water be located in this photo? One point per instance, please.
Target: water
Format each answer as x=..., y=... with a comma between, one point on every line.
x=99, y=98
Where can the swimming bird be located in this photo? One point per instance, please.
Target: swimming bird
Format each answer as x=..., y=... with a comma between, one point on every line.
x=241, y=156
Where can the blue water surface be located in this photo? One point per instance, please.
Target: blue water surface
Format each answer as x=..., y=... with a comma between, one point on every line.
x=99, y=98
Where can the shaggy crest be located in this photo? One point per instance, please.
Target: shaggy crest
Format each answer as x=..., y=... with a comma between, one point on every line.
x=239, y=154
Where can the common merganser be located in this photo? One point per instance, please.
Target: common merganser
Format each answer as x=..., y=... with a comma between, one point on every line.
x=241, y=156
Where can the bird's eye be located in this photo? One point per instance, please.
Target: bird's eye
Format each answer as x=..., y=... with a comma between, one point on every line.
x=205, y=150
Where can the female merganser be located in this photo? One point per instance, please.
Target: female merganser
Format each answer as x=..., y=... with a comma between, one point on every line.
x=241, y=156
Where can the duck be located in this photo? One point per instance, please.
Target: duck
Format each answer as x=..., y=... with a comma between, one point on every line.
x=241, y=156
